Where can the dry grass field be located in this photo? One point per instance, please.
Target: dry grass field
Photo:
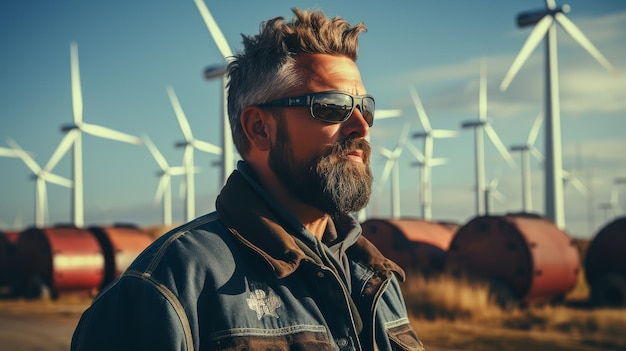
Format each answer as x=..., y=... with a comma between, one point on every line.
x=450, y=314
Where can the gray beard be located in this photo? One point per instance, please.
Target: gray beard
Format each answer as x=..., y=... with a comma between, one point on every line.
x=329, y=182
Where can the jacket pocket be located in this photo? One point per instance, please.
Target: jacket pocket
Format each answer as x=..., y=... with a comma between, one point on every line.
x=404, y=338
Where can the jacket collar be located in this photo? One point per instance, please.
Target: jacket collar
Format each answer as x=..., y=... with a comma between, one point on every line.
x=256, y=220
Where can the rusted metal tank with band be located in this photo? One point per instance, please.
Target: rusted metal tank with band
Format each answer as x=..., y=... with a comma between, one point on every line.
x=8, y=267
x=7, y=260
x=58, y=259
x=120, y=245
x=605, y=264
x=524, y=258
x=416, y=245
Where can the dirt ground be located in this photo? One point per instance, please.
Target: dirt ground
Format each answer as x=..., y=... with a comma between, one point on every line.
x=38, y=325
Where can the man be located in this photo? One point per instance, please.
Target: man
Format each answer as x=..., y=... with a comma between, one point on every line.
x=281, y=264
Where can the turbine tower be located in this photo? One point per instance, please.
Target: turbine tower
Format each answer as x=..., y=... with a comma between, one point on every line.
x=228, y=157
x=426, y=168
x=41, y=176
x=392, y=169
x=73, y=138
x=164, y=189
x=525, y=151
x=482, y=124
x=189, y=144
x=545, y=27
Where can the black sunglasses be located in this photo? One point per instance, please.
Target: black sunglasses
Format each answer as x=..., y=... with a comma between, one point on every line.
x=331, y=106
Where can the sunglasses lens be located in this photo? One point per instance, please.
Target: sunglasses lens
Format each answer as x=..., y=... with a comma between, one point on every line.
x=367, y=110
x=331, y=107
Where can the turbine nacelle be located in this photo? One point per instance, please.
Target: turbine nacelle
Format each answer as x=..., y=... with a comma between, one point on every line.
x=180, y=144
x=215, y=71
x=421, y=135
x=519, y=148
x=473, y=124
x=530, y=18
x=66, y=128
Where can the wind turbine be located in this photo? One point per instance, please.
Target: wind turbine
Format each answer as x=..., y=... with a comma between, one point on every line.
x=228, y=157
x=482, y=124
x=614, y=199
x=380, y=114
x=190, y=143
x=525, y=151
x=545, y=27
x=73, y=138
x=428, y=135
x=569, y=178
x=164, y=189
x=392, y=169
x=492, y=193
x=41, y=176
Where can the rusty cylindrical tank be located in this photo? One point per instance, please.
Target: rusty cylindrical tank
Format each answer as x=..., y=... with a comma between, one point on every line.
x=58, y=259
x=605, y=265
x=524, y=258
x=7, y=264
x=120, y=244
x=416, y=245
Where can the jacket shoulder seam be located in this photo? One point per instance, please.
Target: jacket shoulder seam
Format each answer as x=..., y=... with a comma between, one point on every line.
x=171, y=298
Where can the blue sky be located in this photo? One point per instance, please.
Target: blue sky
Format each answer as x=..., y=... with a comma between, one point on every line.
x=130, y=51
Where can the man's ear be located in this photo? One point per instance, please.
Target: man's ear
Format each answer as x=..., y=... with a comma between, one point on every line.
x=259, y=126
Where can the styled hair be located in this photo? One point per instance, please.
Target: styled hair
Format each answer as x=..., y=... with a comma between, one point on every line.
x=264, y=69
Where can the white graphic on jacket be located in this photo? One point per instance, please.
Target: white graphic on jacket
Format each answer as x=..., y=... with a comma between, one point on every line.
x=263, y=300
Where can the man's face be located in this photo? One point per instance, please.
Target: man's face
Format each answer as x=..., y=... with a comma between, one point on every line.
x=324, y=164
x=329, y=181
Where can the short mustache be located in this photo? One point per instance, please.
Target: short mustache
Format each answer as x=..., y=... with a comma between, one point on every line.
x=344, y=147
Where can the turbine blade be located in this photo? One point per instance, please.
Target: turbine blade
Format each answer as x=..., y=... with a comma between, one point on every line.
x=388, y=154
x=26, y=158
x=77, y=95
x=437, y=162
x=536, y=153
x=534, y=131
x=442, y=133
x=385, y=175
x=180, y=114
x=109, y=133
x=60, y=151
x=531, y=43
x=156, y=154
x=421, y=113
x=214, y=29
x=56, y=179
x=578, y=36
x=576, y=183
x=207, y=147
x=498, y=196
x=176, y=171
x=499, y=145
x=387, y=113
x=4, y=152
x=158, y=196
x=482, y=92
x=405, y=134
x=418, y=154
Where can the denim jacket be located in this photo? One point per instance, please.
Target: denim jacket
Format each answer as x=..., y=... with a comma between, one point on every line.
x=250, y=277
